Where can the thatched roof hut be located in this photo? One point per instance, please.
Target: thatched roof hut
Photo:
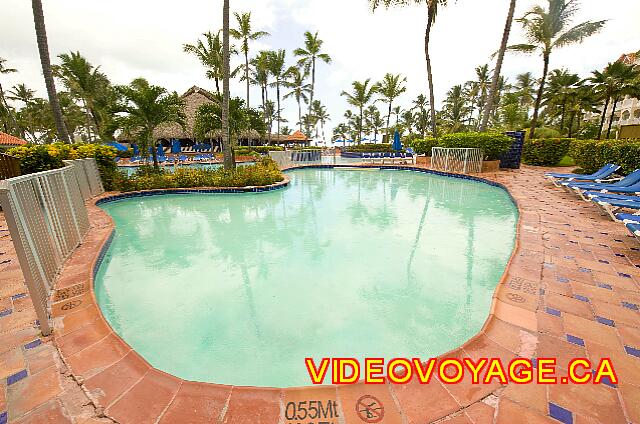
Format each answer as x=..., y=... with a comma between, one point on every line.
x=296, y=137
x=194, y=98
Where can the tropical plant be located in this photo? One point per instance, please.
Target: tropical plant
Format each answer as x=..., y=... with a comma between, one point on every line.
x=148, y=106
x=546, y=30
x=389, y=89
x=455, y=109
x=561, y=85
x=208, y=119
x=374, y=120
x=492, y=99
x=308, y=56
x=361, y=95
x=321, y=115
x=245, y=34
x=432, y=12
x=300, y=89
x=525, y=88
x=421, y=116
x=276, y=66
x=43, y=50
x=617, y=80
x=209, y=52
x=480, y=91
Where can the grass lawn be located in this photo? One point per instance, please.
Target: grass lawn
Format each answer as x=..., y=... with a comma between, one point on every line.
x=567, y=161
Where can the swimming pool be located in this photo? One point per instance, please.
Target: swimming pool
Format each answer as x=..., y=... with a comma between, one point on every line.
x=130, y=170
x=240, y=288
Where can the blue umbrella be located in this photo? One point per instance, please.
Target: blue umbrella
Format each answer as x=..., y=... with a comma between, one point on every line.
x=397, y=145
x=175, y=146
x=118, y=146
x=160, y=151
x=136, y=151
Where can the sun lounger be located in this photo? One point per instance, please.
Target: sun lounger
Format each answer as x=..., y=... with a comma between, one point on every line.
x=628, y=218
x=611, y=205
x=627, y=181
x=593, y=176
x=635, y=230
x=590, y=195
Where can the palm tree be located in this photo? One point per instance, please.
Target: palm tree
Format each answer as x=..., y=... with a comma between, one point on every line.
x=321, y=115
x=276, y=64
x=561, y=85
x=244, y=34
x=390, y=88
x=260, y=75
x=360, y=97
x=84, y=82
x=299, y=88
x=421, y=116
x=481, y=87
x=45, y=61
x=3, y=101
x=209, y=52
x=229, y=162
x=432, y=12
x=493, y=91
x=455, y=108
x=25, y=95
x=270, y=114
x=146, y=107
x=525, y=87
x=617, y=80
x=311, y=52
x=374, y=120
x=546, y=29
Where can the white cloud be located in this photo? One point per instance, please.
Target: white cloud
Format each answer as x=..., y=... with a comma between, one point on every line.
x=140, y=38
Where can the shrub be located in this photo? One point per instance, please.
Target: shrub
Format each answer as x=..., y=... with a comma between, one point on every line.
x=370, y=147
x=493, y=145
x=423, y=146
x=264, y=172
x=545, y=152
x=37, y=158
x=591, y=155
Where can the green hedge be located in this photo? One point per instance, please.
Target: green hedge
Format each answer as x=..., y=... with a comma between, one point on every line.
x=39, y=157
x=591, y=155
x=423, y=146
x=493, y=145
x=264, y=172
x=370, y=148
x=546, y=151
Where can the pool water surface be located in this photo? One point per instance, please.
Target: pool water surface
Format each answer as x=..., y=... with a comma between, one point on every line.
x=240, y=288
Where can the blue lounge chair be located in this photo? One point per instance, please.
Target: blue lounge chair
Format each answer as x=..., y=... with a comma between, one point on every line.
x=591, y=195
x=627, y=218
x=635, y=230
x=611, y=205
x=593, y=176
x=631, y=179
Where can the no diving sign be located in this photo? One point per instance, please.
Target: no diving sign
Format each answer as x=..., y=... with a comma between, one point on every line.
x=370, y=409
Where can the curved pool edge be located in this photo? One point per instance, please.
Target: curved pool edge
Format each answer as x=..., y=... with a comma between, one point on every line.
x=98, y=358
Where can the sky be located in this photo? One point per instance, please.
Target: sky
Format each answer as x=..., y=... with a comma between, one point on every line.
x=130, y=39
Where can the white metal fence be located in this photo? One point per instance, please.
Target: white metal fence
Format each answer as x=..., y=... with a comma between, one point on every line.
x=462, y=160
x=47, y=219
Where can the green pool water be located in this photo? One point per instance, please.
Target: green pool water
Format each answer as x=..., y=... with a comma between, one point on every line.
x=240, y=288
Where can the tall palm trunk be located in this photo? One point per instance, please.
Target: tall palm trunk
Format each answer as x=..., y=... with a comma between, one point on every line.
x=313, y=87
x=226, y=139
x=493, y=92
x=87, y=118
x=613, y=112
x=299, y=113
x=572, y=116
x=536, y=109
x=427, y=36
x=563, y=113
x=603, y=117
x=389, y=120
x=246, y=74
x=43, y=49
x=154, y=149
x=360, y=126
x=278, y=96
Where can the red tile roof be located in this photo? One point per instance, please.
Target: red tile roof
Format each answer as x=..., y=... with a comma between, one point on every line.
x=9, y=140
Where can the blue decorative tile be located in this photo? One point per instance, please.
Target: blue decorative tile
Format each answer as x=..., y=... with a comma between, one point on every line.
x=622, y=274
x=552, y=311
x=16, y=377
x=5, y=312
x=575, y=340
x=18, y=296
x=3, y=417
x=561, y=414
x=33, y=344
x=630, y=306
x=580, y=297
x=632, y=351
x=605, y=286
x=605, y=321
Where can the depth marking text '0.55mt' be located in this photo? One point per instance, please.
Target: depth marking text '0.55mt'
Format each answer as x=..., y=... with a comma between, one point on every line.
x=311, y=412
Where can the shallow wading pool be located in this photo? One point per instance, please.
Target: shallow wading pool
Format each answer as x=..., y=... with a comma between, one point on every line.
x=240, y=288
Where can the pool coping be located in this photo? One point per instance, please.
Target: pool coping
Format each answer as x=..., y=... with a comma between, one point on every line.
x=81, y=326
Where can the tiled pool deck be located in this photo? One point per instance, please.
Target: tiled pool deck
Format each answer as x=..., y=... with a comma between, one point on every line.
x=572, y=289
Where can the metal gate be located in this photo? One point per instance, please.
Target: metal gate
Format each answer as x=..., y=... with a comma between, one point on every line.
x=47, y=220
x=459, y=160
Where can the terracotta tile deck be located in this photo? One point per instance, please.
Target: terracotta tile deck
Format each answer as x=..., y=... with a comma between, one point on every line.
x=572, y=289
